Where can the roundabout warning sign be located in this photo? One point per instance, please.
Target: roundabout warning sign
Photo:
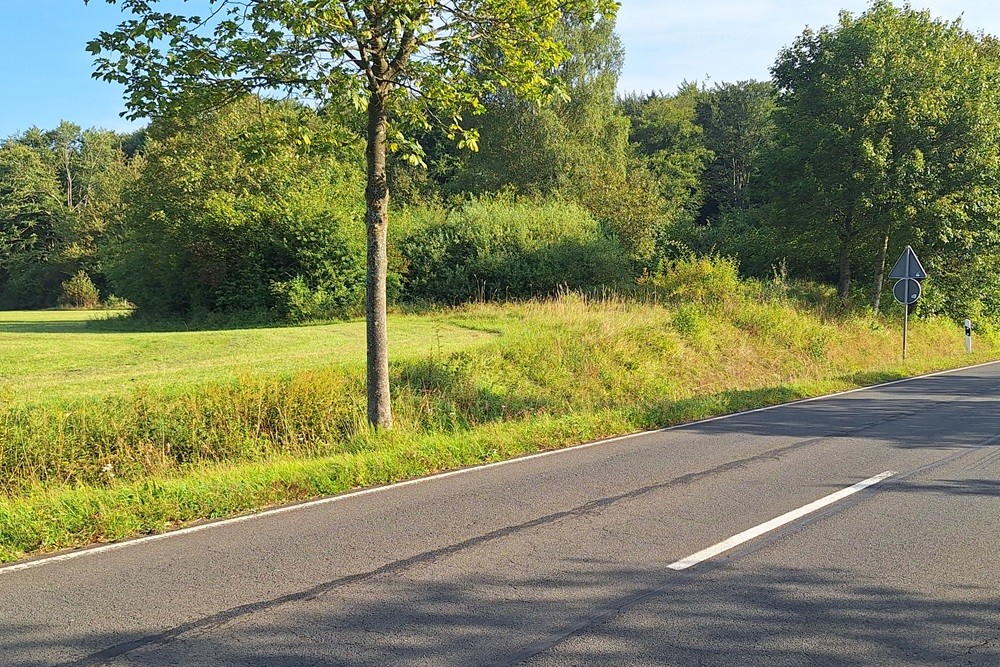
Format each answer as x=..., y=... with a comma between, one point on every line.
x=908, y=272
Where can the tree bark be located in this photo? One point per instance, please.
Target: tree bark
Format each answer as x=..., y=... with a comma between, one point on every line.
x=67, y=165
x=377, y=225
x=880, y=272
x=846, y=238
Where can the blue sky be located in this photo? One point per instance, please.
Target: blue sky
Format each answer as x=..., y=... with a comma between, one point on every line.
x=668, y=41
x=45, y=70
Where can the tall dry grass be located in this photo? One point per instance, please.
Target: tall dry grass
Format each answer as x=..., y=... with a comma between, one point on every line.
x=693, y=343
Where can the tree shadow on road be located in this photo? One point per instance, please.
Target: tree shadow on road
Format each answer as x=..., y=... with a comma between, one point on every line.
x=956, y=410
x=622, y=616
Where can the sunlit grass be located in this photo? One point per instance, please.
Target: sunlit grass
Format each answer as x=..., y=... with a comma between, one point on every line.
x=229, y=421
x=52, y=355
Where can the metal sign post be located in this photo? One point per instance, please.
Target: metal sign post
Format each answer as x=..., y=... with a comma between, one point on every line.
x=906, y=326
x=908, y=273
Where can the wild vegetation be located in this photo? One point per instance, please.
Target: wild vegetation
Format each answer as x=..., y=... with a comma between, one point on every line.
x=484, y=382
x=877, y=132
x=599, y=264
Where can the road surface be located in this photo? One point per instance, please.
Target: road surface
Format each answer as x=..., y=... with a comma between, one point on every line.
x=578, y=557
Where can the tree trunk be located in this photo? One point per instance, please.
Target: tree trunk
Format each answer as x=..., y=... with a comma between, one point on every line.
x=846, y=238
x=880, y=272
x=67, y=165
x=377, y=224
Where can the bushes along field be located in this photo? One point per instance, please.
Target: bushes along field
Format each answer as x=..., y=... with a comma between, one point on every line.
x=559, y=371
x=496, y=249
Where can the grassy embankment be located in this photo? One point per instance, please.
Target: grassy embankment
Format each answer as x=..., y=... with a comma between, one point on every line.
x=107, y=435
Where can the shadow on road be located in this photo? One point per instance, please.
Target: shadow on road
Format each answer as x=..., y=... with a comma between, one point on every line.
x=966, y=414
x=748, y=617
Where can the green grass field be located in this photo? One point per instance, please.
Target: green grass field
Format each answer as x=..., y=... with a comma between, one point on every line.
x=107, y=435
x=52, y=355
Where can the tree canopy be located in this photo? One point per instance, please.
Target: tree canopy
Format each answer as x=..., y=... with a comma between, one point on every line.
x=59, y=189
x=231, y=215
x=890, y=136
x=376, y=55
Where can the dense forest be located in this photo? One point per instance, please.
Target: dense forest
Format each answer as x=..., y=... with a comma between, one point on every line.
x=880, y=131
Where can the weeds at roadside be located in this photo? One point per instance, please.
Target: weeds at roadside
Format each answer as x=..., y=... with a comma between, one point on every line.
x=565, y=370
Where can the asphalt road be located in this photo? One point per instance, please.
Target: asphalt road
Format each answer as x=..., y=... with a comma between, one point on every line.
x=565, y=559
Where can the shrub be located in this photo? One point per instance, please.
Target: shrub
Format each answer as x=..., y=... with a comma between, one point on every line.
x=499, y=249
x=299, y=302
x=706, y=280
x=115, y=302
x=689, y=321
x=79, y=292
x=24, y=285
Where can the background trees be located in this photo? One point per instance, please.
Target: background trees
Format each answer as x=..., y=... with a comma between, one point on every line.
x=32, y=225
x=666, y=133
x=230, y=214
x=404, y=61
x=574, y=147
x=737, y=121
x=59, y=190
x=889, y=135
x=879, y=131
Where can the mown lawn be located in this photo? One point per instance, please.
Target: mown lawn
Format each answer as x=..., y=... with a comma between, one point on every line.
x=52, y=355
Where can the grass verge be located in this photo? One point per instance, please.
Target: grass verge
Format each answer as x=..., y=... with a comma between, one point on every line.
x=559, y=372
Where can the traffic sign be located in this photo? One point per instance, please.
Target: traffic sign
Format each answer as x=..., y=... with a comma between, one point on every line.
x=906, y=291
x=908, y=266
x=908, y=273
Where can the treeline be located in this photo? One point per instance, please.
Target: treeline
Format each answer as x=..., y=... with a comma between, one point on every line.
x=878, y=132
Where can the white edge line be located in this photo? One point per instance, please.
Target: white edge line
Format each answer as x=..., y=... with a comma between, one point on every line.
x=93, y=551
x=777, y=522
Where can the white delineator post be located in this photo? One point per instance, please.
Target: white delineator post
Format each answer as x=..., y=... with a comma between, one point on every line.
x=968, y=336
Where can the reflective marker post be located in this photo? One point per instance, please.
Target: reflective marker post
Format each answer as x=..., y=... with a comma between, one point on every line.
x=968, y=336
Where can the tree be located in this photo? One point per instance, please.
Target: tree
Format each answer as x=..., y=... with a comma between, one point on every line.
x=375, y=53
x=228, y=215
x=889, y=135
x=738, y=124
x=666, y=133
x=537, y=149
x=59, y=189
x=33, y=220
x=102, y=173
x=575, y=148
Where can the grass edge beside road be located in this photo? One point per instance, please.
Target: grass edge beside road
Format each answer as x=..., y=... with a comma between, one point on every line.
x=67, y=517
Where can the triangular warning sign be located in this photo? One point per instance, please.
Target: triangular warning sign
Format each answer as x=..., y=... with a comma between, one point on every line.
x=908, y=266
